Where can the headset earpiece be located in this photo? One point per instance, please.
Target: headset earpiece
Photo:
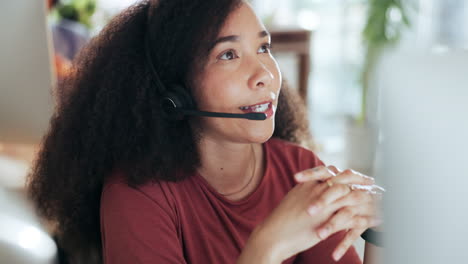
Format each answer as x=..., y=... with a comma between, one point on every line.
x=175, y=99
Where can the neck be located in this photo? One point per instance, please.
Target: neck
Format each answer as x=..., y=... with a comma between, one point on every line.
x=229, y=167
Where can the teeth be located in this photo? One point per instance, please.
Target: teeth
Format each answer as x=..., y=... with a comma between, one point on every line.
x=261, y=108
x=256, y=108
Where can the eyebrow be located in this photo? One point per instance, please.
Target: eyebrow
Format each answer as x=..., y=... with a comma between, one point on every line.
x=235, y=38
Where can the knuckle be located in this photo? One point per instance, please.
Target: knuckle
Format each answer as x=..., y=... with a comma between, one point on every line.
x=347, y=212
x=341, y=216
x=369, y=198
x=350, y=237
x=342, y=188
x=361, y=222
x=319, y=203
x=360, y=196
x=333, y=223
x=354, y=196
x=335, y=188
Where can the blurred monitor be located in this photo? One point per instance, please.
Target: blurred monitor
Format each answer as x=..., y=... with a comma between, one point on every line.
x=26, y=76
x=423, y=156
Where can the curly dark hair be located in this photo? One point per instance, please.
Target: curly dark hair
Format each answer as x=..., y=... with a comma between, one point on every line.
x=110, y=117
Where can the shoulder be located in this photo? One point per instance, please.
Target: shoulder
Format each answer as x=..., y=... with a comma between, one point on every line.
x=118, y=196
x=138, y=224
x=285, y=151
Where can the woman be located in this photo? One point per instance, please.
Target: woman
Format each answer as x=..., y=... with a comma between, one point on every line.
x=123, y=175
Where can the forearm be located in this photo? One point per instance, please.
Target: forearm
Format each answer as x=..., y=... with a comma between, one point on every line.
x=258, y=250
x=372, y=254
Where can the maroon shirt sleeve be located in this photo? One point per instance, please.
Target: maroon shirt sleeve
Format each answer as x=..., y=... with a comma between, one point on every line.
x=136, y=228
x=307, y=159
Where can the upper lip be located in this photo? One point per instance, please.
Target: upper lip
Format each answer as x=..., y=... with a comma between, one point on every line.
x=263, y=102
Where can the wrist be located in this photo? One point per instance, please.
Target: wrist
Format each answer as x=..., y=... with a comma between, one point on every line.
x=260, y=248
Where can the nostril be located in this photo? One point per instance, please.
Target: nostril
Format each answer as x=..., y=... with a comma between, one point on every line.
x=261, y=84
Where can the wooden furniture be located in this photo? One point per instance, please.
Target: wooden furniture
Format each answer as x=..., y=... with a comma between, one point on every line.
x=297, y=41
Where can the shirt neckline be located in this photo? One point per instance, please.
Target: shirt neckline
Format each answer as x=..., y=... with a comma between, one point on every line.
x=257, y=191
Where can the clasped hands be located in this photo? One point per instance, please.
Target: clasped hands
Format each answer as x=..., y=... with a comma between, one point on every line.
x=351, y=197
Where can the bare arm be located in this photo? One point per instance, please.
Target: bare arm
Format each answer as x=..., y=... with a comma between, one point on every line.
x=258, y=250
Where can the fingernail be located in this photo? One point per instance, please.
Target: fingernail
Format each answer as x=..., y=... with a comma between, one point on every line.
x=331, y=172
x=323, y=233
x=369, y=178
x=338, y=254
x=316, y=169
x=313, y=209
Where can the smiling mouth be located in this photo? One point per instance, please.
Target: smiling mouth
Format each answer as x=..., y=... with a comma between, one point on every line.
x=258, y=108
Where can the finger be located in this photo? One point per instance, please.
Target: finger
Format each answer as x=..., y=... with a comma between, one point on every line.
x=373, y=189
x=334, y=169
x=319, y=173
x=329, y=196
x=350, y=217
x=345, y=219
x=353, y=198
x=344, y=245
x=369, y=203
x=340, y=221
x=363, y=207
x=349, y=176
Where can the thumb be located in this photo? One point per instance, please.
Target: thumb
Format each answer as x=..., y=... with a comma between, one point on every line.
x=320, y=173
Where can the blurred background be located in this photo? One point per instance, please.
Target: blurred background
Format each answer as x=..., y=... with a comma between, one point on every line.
x=338, y=54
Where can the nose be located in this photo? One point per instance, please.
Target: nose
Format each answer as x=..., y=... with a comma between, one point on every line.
x=261, y=77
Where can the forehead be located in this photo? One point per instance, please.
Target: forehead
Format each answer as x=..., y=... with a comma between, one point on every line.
x=242, y=19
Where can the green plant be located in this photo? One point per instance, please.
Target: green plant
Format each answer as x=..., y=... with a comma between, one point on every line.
x=77, y=10
x=386, y=20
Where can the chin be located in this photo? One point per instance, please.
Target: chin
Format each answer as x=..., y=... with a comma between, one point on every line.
x=262, y=134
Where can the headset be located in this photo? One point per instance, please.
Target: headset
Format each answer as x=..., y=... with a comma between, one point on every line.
x=176, y=102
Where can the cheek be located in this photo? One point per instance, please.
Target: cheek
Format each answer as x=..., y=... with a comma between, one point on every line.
x=218, y=93
x=278, y=76
x=274, y=69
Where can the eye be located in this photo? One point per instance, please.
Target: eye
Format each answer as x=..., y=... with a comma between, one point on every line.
x=228, y=55
x=266, y=47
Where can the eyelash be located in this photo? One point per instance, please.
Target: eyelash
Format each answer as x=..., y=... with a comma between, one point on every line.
x=267, y=45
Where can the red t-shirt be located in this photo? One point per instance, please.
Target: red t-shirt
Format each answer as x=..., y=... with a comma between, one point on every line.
x=189, y=222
